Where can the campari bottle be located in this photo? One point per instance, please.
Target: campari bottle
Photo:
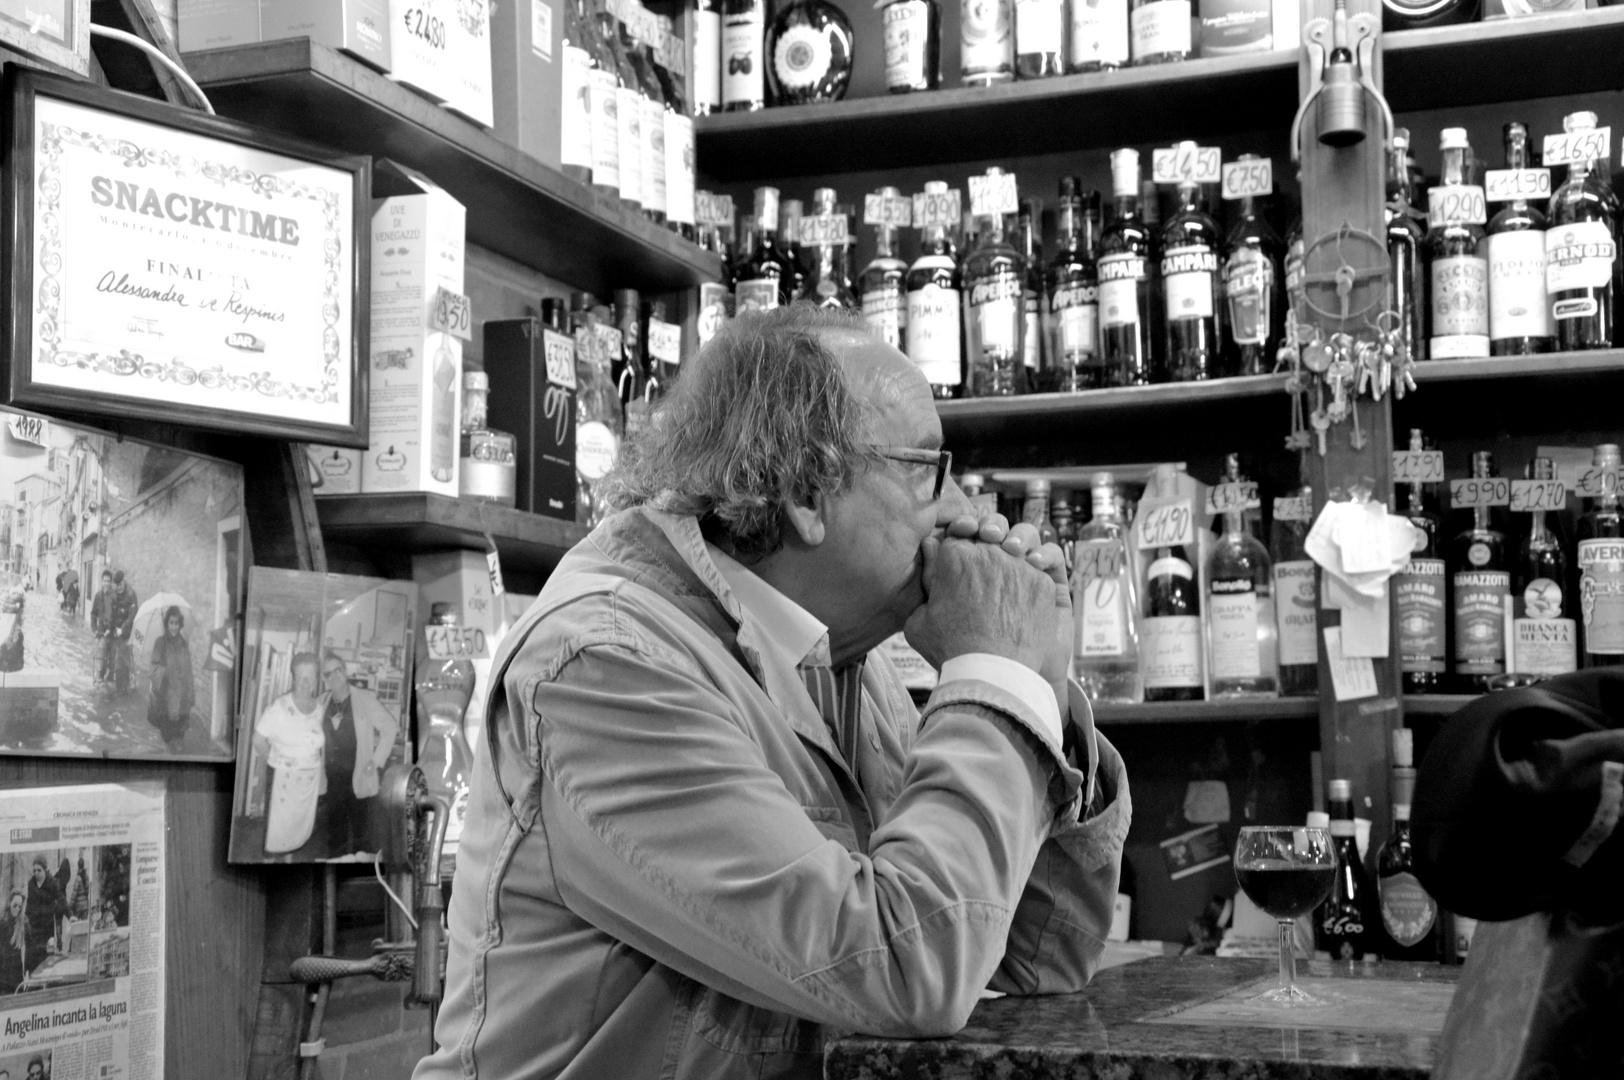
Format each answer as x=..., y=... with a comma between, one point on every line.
x=1190, y=289
x=1126, y=291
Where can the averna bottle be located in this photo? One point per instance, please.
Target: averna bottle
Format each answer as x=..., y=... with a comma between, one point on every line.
x=1251, y=287
x=1171, y=631
x=1295, y=595
x=1240, y=608
x=1126, y=289
x=763, y=283
x=986, y=42
x=1458, y=279
x=1345, y=918
x=1105, y=603
x=1544, y=638
x=1420, y=594
x=575, y=111
x=707, y=54
x=443, y=422
x=1580, y=252
x=1519, y=307
x=444, y=686
x=1481, y=594
x=1406, y=283
x=1601, y=568
x=744, y=31
x=912, y=35
x=809, y=52
x=1028, y=245
x=1040, y=38
x=1099, y=35
x=933, y=308
x=830, y=284
x=1190, y=289
x=1160, y=31
x=1073, y=290
x=994, y=277
x=883, y=285
x=1411, y=926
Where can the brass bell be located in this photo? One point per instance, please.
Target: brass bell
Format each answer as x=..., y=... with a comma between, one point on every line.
x=1341, y=103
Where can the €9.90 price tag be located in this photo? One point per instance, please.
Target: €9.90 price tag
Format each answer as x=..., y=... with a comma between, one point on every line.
x=1293, y=508
x=1178, y=164
x=1596, y=481
x=993, y=193
x=559, y=352
x=894, y=210
x=1252, y=177
x=1503, y=185
x=456, y=642
x=933, y=208
x=823, y=230
x=1456, y=204
x=1164, y=525
x=1233, y=495
x=1418, y=466
x=1530, y=495
x=451, y=313
x=1570, y=146
x=1479, y=491
x=665, y=341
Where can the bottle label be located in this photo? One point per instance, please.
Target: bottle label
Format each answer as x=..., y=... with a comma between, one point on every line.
x=1187, y=276
x=933, y=334
x=1481, y=601
x=595, y=449
x=713, y=304
x=1518, y=305
x=575, y=120
x=1161, y=27
x=679, y=168
x=630, y=111
x=1234, y=26
x=885, y=312
x=1294, y=612
x=1248, y=285
x=1102, y=602
x=801, y=57
x=1120, y=276
x=1077, y=313
x=1578, y=256
x=1039, y=26
x=986, y=45
x=906, y=29
x=654, y=155
x=1232, y=609
x=996, y=306
x=605, y=128
x=1545, y=646
x=1418, y=591
x=707, y=81
x=1460, y=306
x=1408, y=912
x=741, y=57
x=1601, y=594
x=1170, y=651
x=759, y=295
x=1099, y=32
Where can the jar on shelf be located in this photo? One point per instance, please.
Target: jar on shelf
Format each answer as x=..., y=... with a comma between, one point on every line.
x=489, y=470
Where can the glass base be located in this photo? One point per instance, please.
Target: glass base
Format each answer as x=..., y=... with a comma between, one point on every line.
x=1292, y=997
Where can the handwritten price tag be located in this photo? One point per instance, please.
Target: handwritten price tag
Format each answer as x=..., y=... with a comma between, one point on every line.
x=665, y=341
x=1530, y=495
x=1097, y=559
x=993, y=194
x=1595, y=482
x=1235, y=495
x=823, y=230
x=29, y=429
x=1252, y=177
x=1571, y=146
x=1503, y=185
x=451, y=313
x=713, y=209
x=456, y=642
x=932, y=208
x=1178, y=164
x=559, y=351
x=1418, y=466
x=1293, y=508
x=1456, y=204
x=1485, y=491
x=1164, y=525
x=895, y=210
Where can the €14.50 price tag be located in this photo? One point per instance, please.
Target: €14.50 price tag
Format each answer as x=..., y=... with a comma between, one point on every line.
x=1164, y=525
x=1418, y=466
x=665, y=341
x=1178, y=164
x=1233, y=495
x=823, y=230
x=1250, y=178
x=1479, y=491
x=932, y=208
x=1503, y=185
x=993, y=193
x=1570, y=146
x=1530, y=495
x=451, y=313
x=1456, y=204
x=894, y=210
x=456, y=642
x=1596, y=481
x=1293, y=508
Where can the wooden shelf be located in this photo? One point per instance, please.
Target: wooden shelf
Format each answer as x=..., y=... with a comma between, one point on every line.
x=1447, y=67
x=1508, y=367
x=417, y=521
x=517, y=207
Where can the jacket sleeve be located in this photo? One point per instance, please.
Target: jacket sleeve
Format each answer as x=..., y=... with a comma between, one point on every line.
x=667, y=830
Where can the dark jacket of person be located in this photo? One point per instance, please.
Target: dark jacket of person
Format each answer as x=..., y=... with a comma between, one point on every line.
x=121, y=612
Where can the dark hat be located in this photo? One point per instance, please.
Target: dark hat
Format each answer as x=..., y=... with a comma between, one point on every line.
x=118, y=577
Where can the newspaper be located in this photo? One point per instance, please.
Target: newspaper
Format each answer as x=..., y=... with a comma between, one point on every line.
x=82, y=932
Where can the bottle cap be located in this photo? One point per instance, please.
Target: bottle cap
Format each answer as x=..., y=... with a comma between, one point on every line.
x=1125, y=172
x=582, y=301
x=1403, y=747
x=1604, y=453
x=1103, y=479
x=1037, y=486
x=476, y=381
x=443, y=613
x=552, y=312
x=935, y=187
x=1401, y=138
x=1482, y=463
x=972, y=480
x=1341, y=790
x=1516, y=128
x=767, y=208
x=1318, y=819
x=1453, y=139
x=1542, y=468
x=893, y=193
x=1583, y=120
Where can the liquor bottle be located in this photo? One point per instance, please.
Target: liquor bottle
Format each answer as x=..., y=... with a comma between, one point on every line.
x=635, y=33
x=599, y=418
x=1601, y=568
x=1458, y=281
x=575, y=112
x=994, y=277
x=1345, y=918
x=1160, y=31
x=1106, y=604
x=1414, y=14
x=1295, y=595
x=912, y=35
x=707, y=81
x=1065, y=526
x=1581, y=248
x=1410, y=922
x=883, y=285
x=486, y=467
x=1243, y=640
x=1544, y=638
x=1481, y=593
x=790, y=252
x=1040, y=38
x=628, y=111
x=809, y=53
x=986, y=42
x=763, y=282
x=830, y=283
x=663, y=368
x=444, y=687
x=1190, y=289
x=1172, y=645
x=1126, y=292
x=743, y=252
x=744, y=31
x=715, y=297
x=1073, y=291
x=1519, y=308
x=1252, y=286
x=679, y=136
x=604, y=101
x=1029, y=246
x=1420, y=594
x=1406, y=283
x=443, y=420
x=1099, y=35
x=633, y=379
x=933, y=308
x=1035, y=510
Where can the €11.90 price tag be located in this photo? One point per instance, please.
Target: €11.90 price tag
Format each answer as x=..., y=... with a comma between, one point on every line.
x=937, y=208
x=455, y=642
x=1479, y=491
x=1164, y=525
x=1503, y=185
x=1456, y=204
x=893, y=210
x=993, y=193
x=1187, y=164
x=1418, y=466
x=1570, y=146
x=1530, y=495
x=1248, y=178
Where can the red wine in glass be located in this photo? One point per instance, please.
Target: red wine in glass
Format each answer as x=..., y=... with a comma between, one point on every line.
x=1287, y=871
x=1283, y=889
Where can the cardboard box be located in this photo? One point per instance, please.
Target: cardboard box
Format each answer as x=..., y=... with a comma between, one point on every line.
x=532, y=372
x=461, y=579
x=334, y=470
x=214, y=24
x=527, y=77
x=1231, y=27
x=358, y=27
x=416, y=386
x=442, y=49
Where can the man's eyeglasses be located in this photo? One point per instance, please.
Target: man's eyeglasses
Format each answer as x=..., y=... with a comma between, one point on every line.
x=942, y=459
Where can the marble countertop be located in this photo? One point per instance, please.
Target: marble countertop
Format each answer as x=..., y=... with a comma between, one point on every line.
x=1173, y=1018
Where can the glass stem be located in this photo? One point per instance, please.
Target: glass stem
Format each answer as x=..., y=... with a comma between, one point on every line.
x=1288, y=956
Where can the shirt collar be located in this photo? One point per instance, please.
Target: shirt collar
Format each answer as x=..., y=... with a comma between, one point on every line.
x=788, y=625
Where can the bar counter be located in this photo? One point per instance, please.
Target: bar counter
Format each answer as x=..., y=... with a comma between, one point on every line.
x=1182, y=1018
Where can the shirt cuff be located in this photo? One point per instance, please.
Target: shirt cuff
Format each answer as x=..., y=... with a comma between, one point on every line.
x=1016, y=678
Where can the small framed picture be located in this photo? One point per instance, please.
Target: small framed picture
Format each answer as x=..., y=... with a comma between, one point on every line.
x=56, y=31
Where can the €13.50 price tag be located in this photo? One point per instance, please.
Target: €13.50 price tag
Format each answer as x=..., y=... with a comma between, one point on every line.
x=1164, y=525
x=1531, y=495
x=1293, y=508
x=993, y=193
x=451, y=313
x=1233, y=495
x=1570, y=146
x=823, y=230
x=1249, y=178
x=933, y=208
x=455, y=642
x=1456, y=204
x=1181, y=164
x=665, y=341
x=1503, y=185
x=894, y=210
x=1479, y=491
x=1596, y=481
x=1418, y=466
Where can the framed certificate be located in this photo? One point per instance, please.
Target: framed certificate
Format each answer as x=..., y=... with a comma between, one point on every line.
x=57, y=31
x=168, y=265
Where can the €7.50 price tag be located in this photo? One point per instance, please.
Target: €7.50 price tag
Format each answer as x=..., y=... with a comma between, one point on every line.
x=1233, y=495
x=456, y=642
x=1531, y=495
x=665, y=341
x=451, y=313
x=823, y=230
x=894, y=210
x=1178, y=164
x=1503, y=185
x=993, y=193
x=1596, y=481
x=1418, y=466
x=1251, y=177
x=932, y=208
x=1456, y=204
x=1479, y=491
x=1570, y=146
x=1164, y=525
x=1293, y=508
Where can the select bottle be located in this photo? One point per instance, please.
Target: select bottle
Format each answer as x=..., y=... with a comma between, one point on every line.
x=933, y=308
x=1251, y=289
x=1600, y=556
x=1519, y=306
x=1073, y=291
x=883, y=285
x=1190, y=289
x=1458, y=266
x=1242, y=642
x=1543, y=634
x=1480, y=594
x=1126, y=289
x=1581, y=250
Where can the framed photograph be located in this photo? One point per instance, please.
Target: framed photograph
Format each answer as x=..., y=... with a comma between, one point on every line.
x=173, y=266
x=120, y=594
x=56, y=31
x=327, y=668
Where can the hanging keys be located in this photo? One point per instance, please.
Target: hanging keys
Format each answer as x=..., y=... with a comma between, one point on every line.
x=1357, y=439
x=1322, y=424
x=1340, y=376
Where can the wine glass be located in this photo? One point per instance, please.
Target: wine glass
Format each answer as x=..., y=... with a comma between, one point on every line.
x=1287, y=870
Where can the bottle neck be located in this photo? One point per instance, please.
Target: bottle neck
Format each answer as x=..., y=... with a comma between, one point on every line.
x=1036, y=509
x=885, y=242
x=1088, y=232
x=1025, y=241
x=1454, y=171
x=1127, y=205
x=1189, y=199
x=1066, y=225
x=1398, y=177
x=1104, y=504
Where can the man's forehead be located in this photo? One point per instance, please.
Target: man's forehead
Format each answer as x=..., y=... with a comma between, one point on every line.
x=903, y=411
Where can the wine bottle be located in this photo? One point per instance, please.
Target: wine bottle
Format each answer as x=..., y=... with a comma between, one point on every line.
x=1099, y=35
x=763, y=282
x=994, y=278
x=986, y=42
x=1126, y=289
x=604, y=100
x=1190, y=288
x=678, y=124
x=1029, y=246
x=1481, y=594
x=1519, y=307
x=1074, y=296
x=1295, y=595
x=575, y=103
x=809, y=52
x=1420, y=592
x=628, y=111
x=1160, y=31
x=1243, y=642
x=933, y=308
x=1345, y=917
x=790, y=252
x=1601, y=568
x=707, y=84
x=636, y=40
x=1040, y=38
x=1252, y=287
x=1411, y=928
x=1105, y=603
x=883, y=285
x=1581, y=252
x=1172, y=641
x=912, y=36
x=1458, y=280
x=1544, y=637
x=744, y=31
x=1406, y=281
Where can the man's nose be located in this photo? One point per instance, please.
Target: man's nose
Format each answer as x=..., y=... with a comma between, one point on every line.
x=954, y=502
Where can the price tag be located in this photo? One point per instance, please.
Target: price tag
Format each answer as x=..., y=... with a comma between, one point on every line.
x=1456, y=204
x=559, y=351
x=1503, y=185
x=493, y=567
x=1293, y=508
x=29, y=429
x=993, y=194
x=1487, y=491
x=1248, y=178
x=1571, y=146
x=1098, y=559
x=932, y=208
x=455, y=642
x=451, y=313
x=665, y=341
x=1233, y=495
x=1418, y=466
x=713, y=209
x=610, y=344
x=823, y=230
x=1595, y=482
x=1177, y=164
x=1164, y=525
x=894, y=210
x=1531, y=495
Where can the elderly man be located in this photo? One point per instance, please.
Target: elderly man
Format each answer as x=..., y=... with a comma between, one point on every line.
x=708, y=826
x=358, y=732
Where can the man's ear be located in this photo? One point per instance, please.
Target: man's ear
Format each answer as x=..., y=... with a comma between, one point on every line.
x=804, y=513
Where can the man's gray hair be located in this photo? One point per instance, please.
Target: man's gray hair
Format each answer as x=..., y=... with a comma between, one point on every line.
x=764, y=413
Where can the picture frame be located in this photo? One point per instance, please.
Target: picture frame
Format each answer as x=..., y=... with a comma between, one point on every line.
x=167, y=265
x=55, y=31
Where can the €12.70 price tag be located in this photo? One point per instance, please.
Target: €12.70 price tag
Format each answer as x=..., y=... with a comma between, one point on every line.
x=1418, y=466
x=993, y=193
x=894, y=210
x=1503, y=185
x=823, y=230
x=455, y=642
x=1293, y=508
x=1570, y=146
x=665, y=341
x=1456, y=204
x=559, y=352
x=1596, y=481
x=1178, y=164
x=1164, y=525
x=1233, y=495
x=1479, y=491
x=1249, y=178
x=451, y=313
x=1531, y=495
x=932, y=208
